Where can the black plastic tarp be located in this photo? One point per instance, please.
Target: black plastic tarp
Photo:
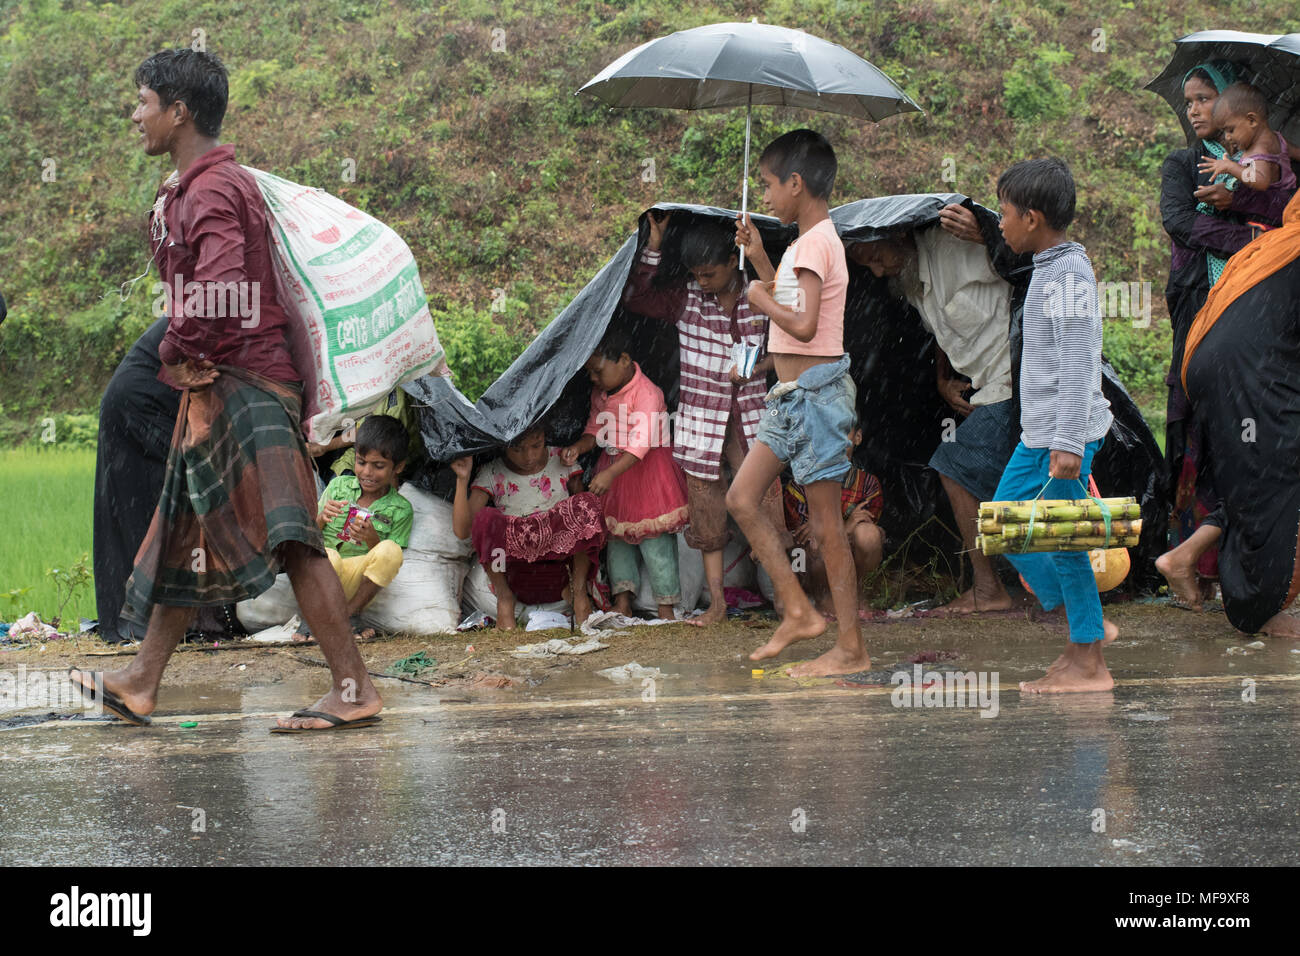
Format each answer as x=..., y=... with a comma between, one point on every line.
x=892, y=363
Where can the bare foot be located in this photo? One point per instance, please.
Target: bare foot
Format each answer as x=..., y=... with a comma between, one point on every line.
x=1083, y=670
x=1109, y=632
x=795, y=627
x=582, y=607
x=835, y=661
x=1181, y=575
x=716, y=613
x=301, y=638
x=365, y=634
x=973, y=601
x=141, y=700
x=368, y=704
x=667, y=612
x=623, y=603
x=1279, y=625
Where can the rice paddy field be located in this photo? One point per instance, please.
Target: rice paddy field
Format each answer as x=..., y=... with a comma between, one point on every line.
x=47, y=495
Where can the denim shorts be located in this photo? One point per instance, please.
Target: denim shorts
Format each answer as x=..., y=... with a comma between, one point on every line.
x=810, y=426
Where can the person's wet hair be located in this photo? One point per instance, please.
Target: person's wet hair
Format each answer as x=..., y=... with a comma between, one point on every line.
x=708, y=244
x=806, y=152
x=194, y=78
x=536, y=429
x=614, y=344
x=1240, y=99
x=1044, y=185
x=384, y=435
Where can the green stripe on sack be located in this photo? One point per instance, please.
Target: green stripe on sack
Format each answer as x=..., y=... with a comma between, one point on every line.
x=364, y=238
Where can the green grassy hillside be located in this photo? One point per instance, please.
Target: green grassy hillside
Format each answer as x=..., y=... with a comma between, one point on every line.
x=466, y=136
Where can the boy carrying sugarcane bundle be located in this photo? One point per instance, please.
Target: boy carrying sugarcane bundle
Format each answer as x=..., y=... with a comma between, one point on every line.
x=1063, y=418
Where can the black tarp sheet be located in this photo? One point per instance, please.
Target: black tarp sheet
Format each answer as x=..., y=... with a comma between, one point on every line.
x=892, y=364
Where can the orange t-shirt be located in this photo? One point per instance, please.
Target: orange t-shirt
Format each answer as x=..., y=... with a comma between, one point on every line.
x=820, y=251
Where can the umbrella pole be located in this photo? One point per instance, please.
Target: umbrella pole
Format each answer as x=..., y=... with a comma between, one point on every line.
x=744, y=184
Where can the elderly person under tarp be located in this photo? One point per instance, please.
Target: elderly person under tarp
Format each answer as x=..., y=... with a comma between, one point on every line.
x=903, y=415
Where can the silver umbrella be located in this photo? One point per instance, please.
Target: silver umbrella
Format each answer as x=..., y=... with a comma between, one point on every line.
x=748, y=64
x=1270, y=62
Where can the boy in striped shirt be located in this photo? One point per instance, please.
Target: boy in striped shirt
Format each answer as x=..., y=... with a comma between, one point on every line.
x=718, y=408
x=1063, y=415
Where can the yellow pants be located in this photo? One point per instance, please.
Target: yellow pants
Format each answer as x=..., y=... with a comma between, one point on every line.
x=380, y=564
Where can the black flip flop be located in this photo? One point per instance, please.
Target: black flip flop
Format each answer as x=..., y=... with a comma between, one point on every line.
x=338, y=723
x=108, y=700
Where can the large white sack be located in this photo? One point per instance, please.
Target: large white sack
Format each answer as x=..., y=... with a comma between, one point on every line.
x=424, y=598
x=271, y=608
x=352, y=284
x=431, y=527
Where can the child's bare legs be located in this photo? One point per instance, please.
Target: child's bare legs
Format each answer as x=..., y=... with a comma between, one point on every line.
x=505, y=600
x=578, y=595
x=815, y=584
x=623, y=602
x=1080, y=668
x=366, y=592
x=987, y=593
x=868, y=541
x=849, y=653
x=800, y=621
x=1179, y=565
x=713, y=573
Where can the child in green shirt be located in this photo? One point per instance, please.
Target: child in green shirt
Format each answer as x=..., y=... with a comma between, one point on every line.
x=365, y=521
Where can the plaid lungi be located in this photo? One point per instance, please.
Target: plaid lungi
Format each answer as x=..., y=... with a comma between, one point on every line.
x=238, y=485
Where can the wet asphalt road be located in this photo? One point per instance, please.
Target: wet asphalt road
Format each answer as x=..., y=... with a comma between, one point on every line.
x=717, y=768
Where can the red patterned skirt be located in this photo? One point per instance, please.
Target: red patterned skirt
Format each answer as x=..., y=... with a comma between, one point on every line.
x=535, y=551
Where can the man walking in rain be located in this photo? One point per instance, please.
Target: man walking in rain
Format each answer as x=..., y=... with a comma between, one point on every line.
x=238, y=499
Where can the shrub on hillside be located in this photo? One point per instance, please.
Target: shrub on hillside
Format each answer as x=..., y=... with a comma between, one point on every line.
x=480, y=345
x=1032, y=88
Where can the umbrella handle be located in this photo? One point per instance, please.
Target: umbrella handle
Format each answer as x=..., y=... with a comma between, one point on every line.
x=744, y=183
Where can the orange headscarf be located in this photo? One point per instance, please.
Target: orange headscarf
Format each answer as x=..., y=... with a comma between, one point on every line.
x=1256, y=262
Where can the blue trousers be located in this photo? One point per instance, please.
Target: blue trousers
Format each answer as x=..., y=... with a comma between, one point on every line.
x=1055, y=577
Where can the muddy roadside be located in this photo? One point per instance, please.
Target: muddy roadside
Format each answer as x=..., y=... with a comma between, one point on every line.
x=1018, y=642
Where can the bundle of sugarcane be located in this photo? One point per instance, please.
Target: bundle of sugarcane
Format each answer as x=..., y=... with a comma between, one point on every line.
x=1087, y=509
x=1020, y=527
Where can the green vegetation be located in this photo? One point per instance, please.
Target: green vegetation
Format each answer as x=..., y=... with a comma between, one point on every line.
x=466, y=137
x=48, y=493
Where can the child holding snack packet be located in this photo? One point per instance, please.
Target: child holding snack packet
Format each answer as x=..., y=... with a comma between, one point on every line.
x=365, y=521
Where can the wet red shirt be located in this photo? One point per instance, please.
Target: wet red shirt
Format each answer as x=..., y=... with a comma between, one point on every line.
x=215, y=261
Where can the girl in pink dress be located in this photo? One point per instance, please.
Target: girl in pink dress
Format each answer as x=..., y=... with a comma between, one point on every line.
x=642, y=490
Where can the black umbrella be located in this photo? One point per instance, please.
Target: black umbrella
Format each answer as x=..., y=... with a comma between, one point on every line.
x=748, y=64
x=1270, y=62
